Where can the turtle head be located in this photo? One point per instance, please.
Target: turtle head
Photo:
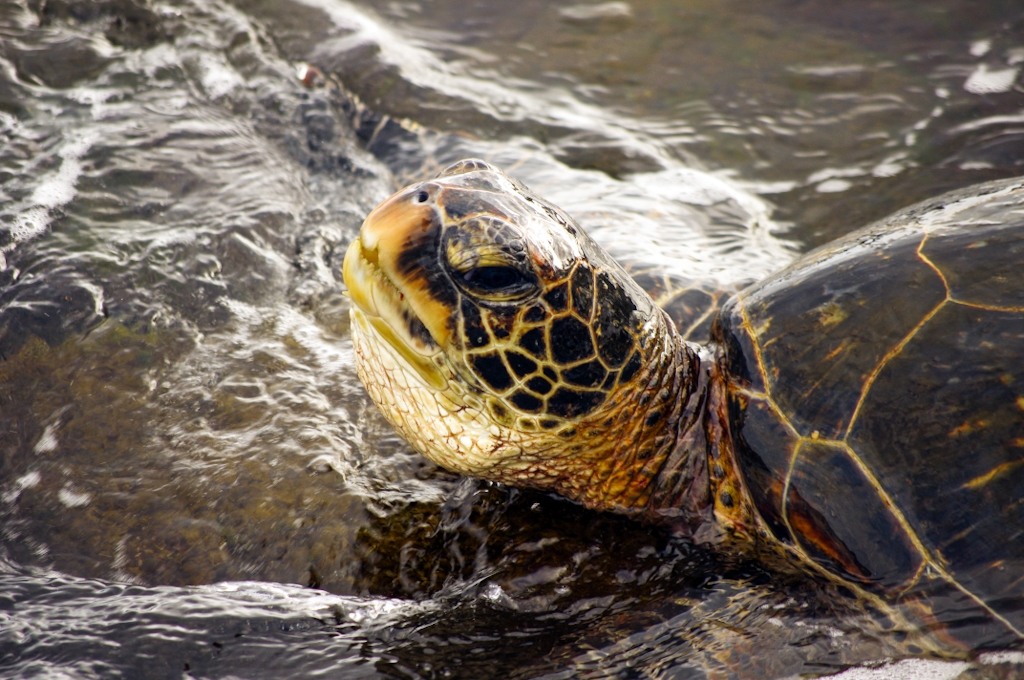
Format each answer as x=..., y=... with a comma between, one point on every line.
x=490, y=329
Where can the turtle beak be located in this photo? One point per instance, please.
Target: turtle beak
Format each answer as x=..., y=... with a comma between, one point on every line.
x=378, y=276
x=388, y=227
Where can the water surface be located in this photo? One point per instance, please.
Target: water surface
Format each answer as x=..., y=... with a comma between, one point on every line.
x=194, y=483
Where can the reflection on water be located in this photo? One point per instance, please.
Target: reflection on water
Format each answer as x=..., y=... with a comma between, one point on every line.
x=862, y=106
x=178, y=406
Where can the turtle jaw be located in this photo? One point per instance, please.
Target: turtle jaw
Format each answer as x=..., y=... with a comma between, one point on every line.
x=397, y=309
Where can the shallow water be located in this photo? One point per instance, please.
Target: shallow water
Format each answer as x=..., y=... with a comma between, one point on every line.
x=194, y=483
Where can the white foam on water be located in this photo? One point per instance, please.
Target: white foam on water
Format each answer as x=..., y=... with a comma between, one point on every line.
x=30, y=224
x=979, y=48
x=607, y=10
x=47, y=441
x=907, y=669
x=832, y=173
x=993, y=658
x=53, y=191
x=59, y=188
x=26, y=481
x=29, y=480
x=217, y=77
x=980, y=123
x=833, y=186
x=892, y=166
x=983, y=81
x=248, y=314
x=287, y=601
x=95, y=98
x=97, y=296
x=73, y=499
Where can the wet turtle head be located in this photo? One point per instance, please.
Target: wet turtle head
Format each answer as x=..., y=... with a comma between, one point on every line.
x=492, y=332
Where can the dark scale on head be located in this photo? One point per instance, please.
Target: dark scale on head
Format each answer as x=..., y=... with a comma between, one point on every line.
x=533, y=342
x=520, y=364
x=609, y=381
x=501, y=321
x=526, y=402
x=614, y=309
x=535, y=314
x=590, y=374
x=613, y=343
x=630, y=369
x=502, y=233
x=583, y=291
x=557, y=298
x=572, y=403
x=551, y=374
x=492, y=369
x=475, y=333
x=570, y=341
x=539, y=385
x=459, y=204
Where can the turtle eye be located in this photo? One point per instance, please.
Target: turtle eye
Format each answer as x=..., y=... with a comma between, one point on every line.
x=493, y=279
x=495, y=282
x=486, y=257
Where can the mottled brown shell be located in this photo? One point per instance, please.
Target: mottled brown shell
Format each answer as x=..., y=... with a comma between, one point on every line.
x=877, y=394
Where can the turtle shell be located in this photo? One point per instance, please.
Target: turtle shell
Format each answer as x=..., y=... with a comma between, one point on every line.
x=876, y=396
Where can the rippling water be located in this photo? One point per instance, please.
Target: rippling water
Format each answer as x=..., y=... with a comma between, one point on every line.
x=194, y=484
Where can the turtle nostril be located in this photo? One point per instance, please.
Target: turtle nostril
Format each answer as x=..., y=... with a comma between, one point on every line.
x=422, y=197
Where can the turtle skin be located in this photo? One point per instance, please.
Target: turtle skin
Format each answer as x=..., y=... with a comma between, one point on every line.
x=691, y=304
x=876, y=399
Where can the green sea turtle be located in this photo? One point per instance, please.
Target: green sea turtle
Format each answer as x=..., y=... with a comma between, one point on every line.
x=861, y=411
